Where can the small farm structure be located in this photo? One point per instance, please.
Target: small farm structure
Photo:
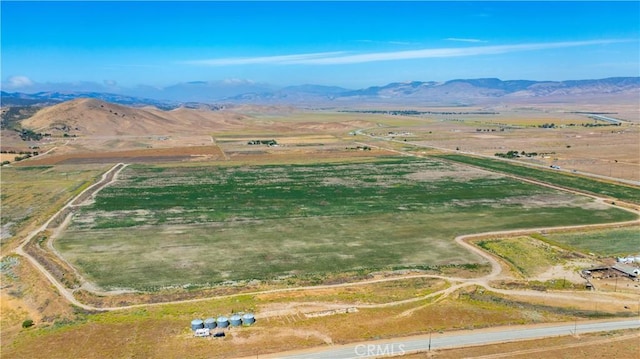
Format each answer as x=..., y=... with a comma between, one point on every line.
x=235, y=320
x=197, y=324
x=206, y=328
x=629, y=259
x=222, y=322
x=615, y=271
x=248, y=319
x=210, y=323
x=629, y=271
x=203, y=332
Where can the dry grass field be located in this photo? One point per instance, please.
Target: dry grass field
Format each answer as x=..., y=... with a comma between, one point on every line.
x=30, y=195
x=608, y=150
x=602, y=345
x=572, y=143
x=444, y=299
x=163, y=331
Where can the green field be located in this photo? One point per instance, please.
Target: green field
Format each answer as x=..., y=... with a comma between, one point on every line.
x=174, y=226
x=609, y=242
x=528, y=256
x=622, y=192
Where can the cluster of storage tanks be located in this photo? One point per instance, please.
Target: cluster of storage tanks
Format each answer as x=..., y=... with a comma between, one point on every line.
x=235, y=320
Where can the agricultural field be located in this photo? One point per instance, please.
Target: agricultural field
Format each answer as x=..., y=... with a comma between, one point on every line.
x=167, y=226
x=32, y=194
x=529, y=256
x=616, y=191
x=606, y=242
x=574, y=142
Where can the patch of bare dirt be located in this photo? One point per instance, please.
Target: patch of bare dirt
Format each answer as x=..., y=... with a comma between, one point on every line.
x=192, y=153
x=452, y=172
x=256, y=337
x=569, y=271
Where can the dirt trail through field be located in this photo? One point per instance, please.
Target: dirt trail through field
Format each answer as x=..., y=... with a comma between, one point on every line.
x=107, y=178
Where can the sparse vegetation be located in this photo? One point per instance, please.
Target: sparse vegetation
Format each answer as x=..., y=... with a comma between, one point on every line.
x=12, y=115
x=31, y=194
x=29, y=135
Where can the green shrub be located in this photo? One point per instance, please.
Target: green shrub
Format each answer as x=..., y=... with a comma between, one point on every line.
x=27, y=323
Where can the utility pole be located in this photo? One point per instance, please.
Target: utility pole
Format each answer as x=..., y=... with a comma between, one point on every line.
x=430, y=331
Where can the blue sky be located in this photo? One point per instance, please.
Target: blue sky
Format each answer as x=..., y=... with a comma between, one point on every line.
x=351, y=44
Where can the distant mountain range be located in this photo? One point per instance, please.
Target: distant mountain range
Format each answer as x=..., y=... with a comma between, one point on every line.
x=52, y=98
x=454, y=92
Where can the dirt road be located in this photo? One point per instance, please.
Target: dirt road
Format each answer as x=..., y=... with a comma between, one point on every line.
x=107, y=178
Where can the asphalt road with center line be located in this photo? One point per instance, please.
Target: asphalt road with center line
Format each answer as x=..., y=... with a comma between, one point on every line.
x=400, y=346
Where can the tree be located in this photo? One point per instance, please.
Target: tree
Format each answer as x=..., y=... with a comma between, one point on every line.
x=27, y=323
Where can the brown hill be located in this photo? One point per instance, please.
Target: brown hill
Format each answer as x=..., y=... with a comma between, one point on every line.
x=98, y=118
x=91, y=117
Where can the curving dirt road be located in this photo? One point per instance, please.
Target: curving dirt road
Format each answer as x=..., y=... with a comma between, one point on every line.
x=107, y=178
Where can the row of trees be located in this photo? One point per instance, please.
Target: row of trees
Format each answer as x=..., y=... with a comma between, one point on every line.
x=361, y=148
x=29, y=135
x=516, y=154
x=263, y=142
x=23, y=156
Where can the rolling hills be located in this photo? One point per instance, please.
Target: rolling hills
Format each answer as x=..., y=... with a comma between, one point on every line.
x=96, y=117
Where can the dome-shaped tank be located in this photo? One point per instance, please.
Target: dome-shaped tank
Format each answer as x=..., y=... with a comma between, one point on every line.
x=210, y=323
x=235, y=320
x=222, y=322
x=197, y=324
x=248, y=319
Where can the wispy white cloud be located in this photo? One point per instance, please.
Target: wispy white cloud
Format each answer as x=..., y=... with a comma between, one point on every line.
x=341, y=58
x=283, y=59
x=448, y=52
x=400, y=43
x=403, y=43
x=18, y=82
x=463, y=40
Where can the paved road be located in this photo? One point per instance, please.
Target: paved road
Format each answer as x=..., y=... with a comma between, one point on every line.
x=402, y=346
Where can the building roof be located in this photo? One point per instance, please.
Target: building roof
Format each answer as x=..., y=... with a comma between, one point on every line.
x=628, y=270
